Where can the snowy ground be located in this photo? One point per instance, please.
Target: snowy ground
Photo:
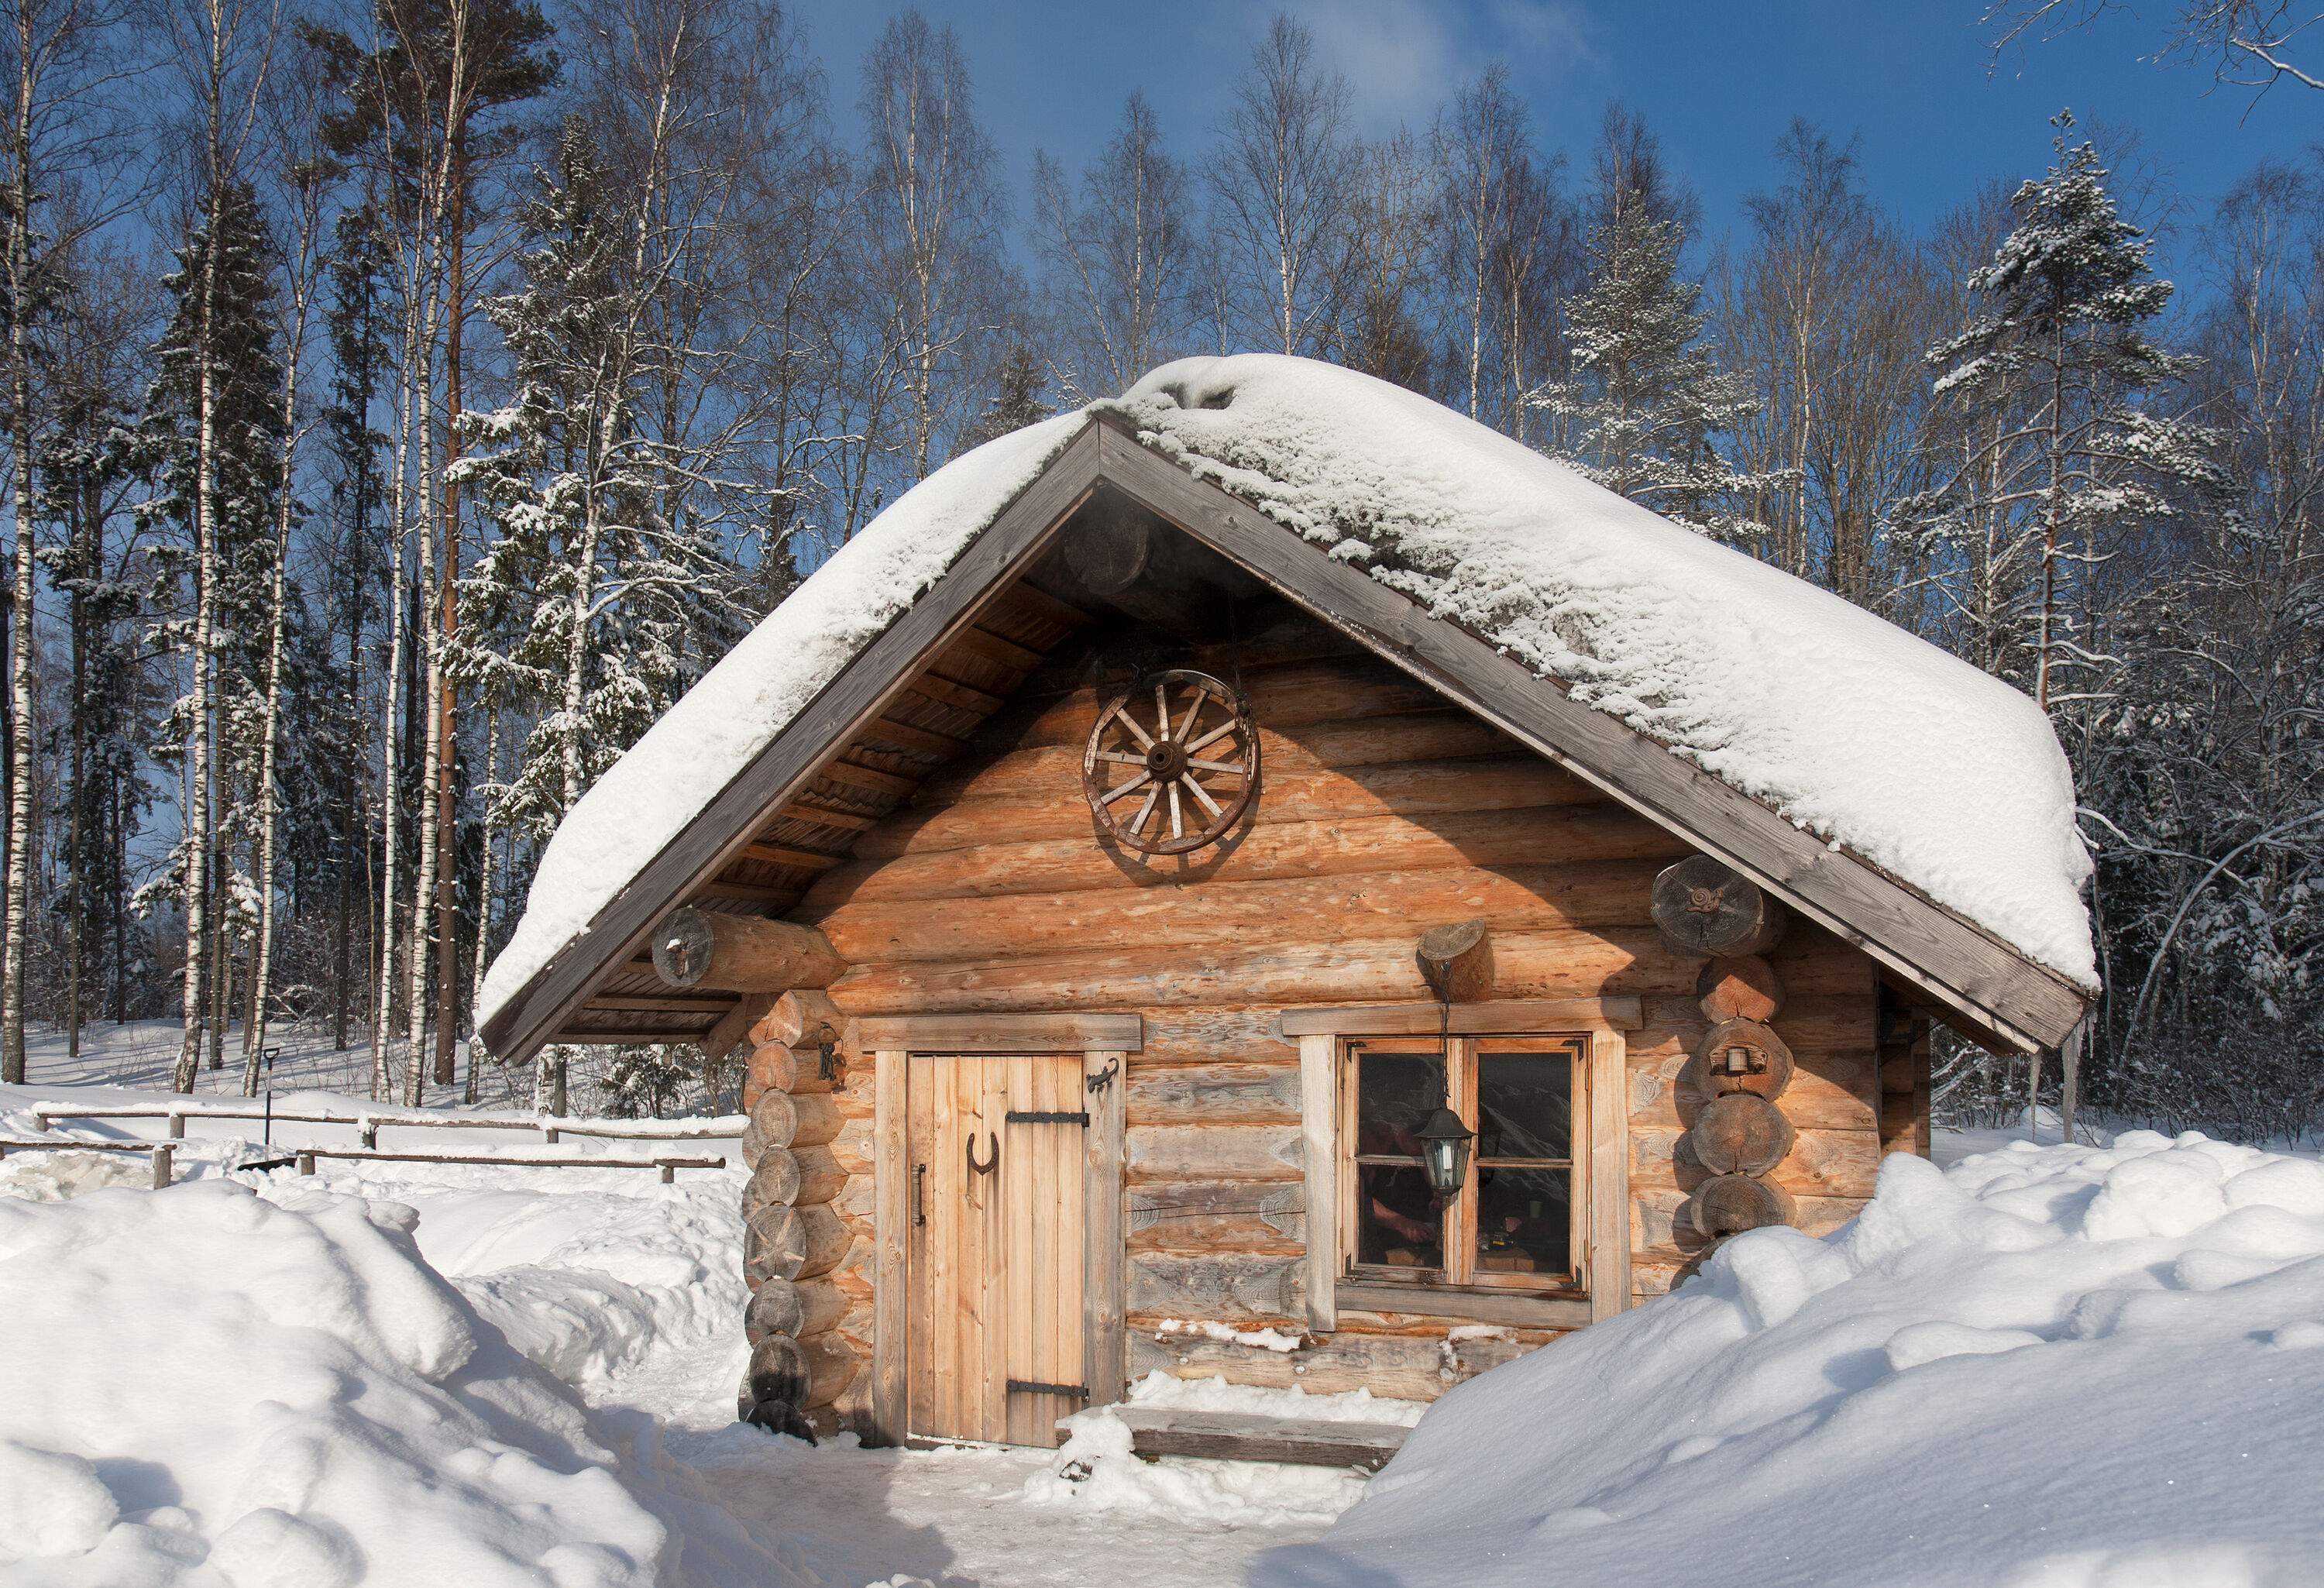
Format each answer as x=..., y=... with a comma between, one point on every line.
x=625, y=1291
x=390, y=1372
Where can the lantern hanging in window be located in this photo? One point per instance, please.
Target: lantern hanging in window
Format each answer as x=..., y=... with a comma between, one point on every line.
x=1444, y=1150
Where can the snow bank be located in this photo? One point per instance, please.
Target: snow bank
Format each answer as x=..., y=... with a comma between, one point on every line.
x=2060, y=1367
x=646, y=798
x=203, y=1387
x=1853, y=729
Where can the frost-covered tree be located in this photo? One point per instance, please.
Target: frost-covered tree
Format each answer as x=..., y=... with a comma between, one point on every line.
x=582, y=609
x=585, y=597
x=210, y=440
x=1648, y=406
x=2060, y=354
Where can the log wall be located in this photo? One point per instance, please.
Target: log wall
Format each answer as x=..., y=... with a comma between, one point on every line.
x=1382, y=812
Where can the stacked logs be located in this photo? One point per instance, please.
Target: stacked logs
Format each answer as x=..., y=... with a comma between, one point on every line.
x=792, y=1238
x=1741, y=1067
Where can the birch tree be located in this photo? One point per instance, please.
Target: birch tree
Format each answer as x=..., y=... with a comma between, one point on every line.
x=1280, y=188
x=61, y=61
x=1121, y=253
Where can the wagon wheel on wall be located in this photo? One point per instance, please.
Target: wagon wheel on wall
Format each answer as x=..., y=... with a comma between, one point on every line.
x=1173, y=762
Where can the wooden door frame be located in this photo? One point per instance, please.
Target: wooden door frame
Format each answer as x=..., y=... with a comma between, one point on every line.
x=1104, y=1042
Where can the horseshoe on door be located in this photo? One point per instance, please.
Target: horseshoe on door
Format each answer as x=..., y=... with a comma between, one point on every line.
x=992, y=1161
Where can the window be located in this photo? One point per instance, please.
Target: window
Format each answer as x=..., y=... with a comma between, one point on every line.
x=1516, y=1222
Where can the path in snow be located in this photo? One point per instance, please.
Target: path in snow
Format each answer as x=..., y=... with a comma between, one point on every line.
x=952, y=1518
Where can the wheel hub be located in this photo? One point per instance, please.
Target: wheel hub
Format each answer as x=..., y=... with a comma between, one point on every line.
x=1167, y=759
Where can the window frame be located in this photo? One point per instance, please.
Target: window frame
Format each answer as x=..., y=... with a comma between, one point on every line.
x=1459, y=1276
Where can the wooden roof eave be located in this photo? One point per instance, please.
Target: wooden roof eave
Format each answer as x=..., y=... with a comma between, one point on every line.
x=847, y=705
x=1960, y=964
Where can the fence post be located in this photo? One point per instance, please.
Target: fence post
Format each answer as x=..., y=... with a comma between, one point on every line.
x=163, y=1164
x=668, y=1172
x=177, y=1126
x=370, y=1133
x=306, y=1163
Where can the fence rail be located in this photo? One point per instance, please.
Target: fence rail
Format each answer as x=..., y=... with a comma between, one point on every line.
x=164, y=1153
x=369, y=1125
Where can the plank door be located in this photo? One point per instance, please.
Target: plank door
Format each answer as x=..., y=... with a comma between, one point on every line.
x=994, y=1317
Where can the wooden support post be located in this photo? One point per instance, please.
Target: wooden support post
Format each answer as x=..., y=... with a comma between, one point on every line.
x=668, y=1172
x=890, y=1196
x=1105, y=1082
x=177, y=1126
x=163, y=1156
x=696, y=948
x=306, y=1163
x=1318, y=1140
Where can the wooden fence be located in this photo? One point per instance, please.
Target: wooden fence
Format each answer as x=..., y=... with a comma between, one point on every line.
x=368, y=1126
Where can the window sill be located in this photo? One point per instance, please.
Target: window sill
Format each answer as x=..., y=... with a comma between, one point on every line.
x=1473, y=1306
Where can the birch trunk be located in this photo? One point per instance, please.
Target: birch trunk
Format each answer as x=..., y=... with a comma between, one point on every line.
x=20, y=636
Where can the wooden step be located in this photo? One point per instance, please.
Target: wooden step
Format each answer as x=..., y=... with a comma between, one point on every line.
x=1233, y=1436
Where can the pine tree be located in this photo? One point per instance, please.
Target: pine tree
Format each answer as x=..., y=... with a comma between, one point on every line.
x=1648, y=406
x=584, y=606
x=2058, y=353
x=213, y=593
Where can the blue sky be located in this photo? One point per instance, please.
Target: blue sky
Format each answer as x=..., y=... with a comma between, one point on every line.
x=1718, y=81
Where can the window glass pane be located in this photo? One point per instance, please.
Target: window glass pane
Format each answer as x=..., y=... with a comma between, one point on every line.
x=1394, y=1094
x=1398, y=1221
x=1524, y=1220
x=1525, y=1105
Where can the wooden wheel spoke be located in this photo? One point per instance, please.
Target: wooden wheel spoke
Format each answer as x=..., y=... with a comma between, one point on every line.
x=1202, y=798
x=1145, y=811
x=1235, y=767
x=1193, y=710
x=1116, y=755
x=1145, y=740
x=1213, y=737
x=1161, y=709
x=1177, y=814
x=1131, y=786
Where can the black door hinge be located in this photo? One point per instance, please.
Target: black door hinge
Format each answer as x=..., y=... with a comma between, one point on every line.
x=1035, y=1387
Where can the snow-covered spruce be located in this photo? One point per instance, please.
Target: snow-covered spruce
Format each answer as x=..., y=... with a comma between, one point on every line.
x=2046, y=1367
x=1850, y=727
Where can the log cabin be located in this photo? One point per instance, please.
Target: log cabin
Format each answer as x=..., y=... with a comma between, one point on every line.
x=1267, y=852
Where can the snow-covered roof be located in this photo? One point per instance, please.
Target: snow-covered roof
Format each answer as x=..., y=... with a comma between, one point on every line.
x=648, y=796
x=1871, y=739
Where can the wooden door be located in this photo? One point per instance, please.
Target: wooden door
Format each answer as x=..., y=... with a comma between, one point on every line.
x=995, y=1252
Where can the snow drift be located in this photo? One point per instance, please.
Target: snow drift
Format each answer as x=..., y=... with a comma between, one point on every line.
x=205, y=1387
x=1847, y=726
x=2052, y=1368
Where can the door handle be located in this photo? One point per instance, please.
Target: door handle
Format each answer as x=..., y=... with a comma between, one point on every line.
x=920, y=1194
x=992, y=1161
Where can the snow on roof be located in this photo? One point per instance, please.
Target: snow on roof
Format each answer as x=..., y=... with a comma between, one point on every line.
x=1942, y=776
x=1947, y=779
x=647, y=796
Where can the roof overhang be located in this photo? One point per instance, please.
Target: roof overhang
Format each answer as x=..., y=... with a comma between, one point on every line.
x=1993, y=989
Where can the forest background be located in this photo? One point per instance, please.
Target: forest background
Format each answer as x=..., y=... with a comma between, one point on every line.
x=404, y=402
